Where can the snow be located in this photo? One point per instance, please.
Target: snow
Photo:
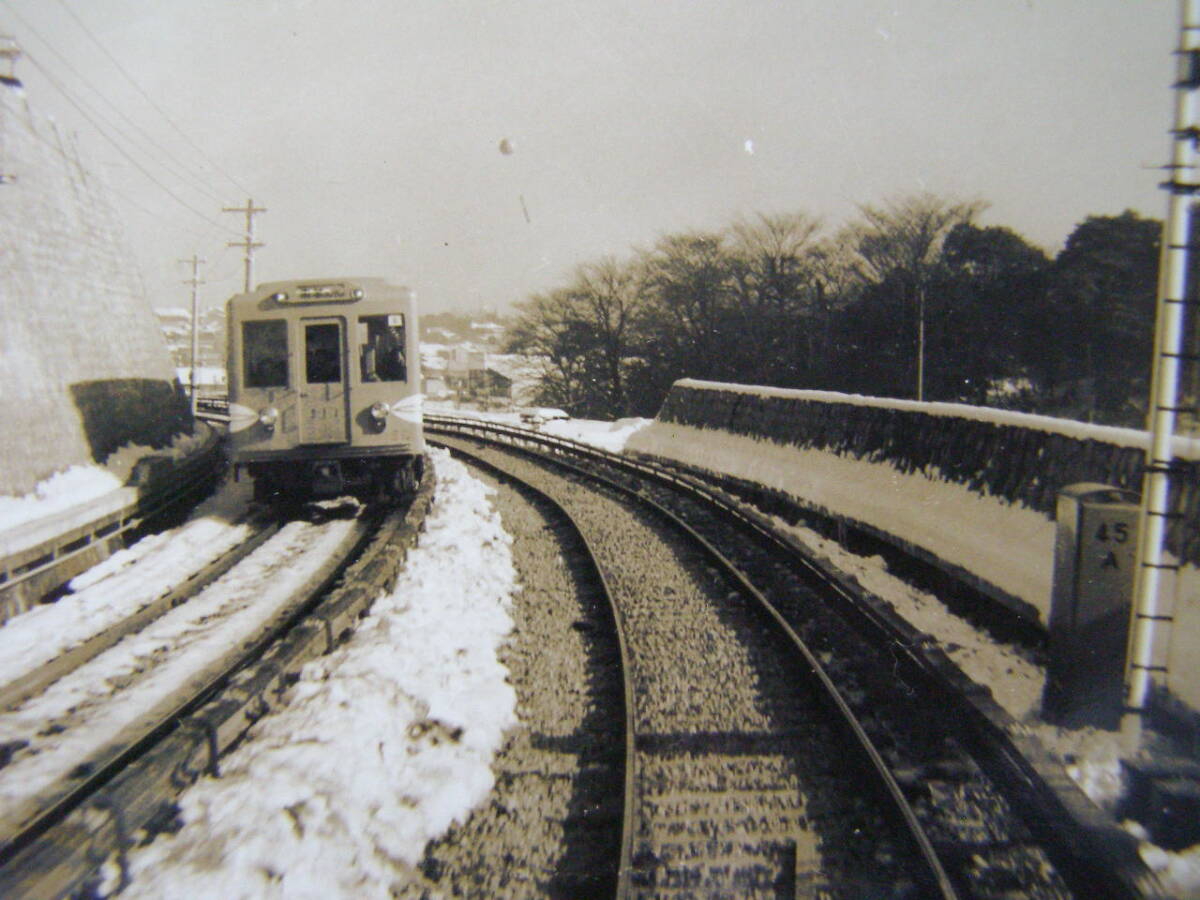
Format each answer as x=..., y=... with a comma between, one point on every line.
x=61, y=491
x=1178, y=872
x=611, y=436
x=381, y=745
x=387, y=741
x=116, y=588
x=1185, y=448
x=150, y=668
x=1013, y=551
x=1016, y=682
x=1010, y=546
x=78, y=485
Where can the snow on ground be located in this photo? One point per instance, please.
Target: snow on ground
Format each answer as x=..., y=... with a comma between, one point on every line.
x=79, y=484
x=383, y=743
x=1014, y=550
x=611, y=436
x=114, y=589
x=150, y=668
x=1007, y=545
x=290, y=817
x=1187, y=448
x=63, y=490
x=1016, y=682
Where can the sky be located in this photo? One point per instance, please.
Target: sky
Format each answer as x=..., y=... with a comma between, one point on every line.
x=371, y=130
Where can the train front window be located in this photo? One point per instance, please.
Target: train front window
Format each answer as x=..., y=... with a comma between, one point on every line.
x=265, y=354
x=322, y=353
x=381, y=348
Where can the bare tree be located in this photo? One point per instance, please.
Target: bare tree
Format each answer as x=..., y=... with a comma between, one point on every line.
x=772, y=256
x=774, y=274
x=547, y=330
x=610, y=295
x=901, y=242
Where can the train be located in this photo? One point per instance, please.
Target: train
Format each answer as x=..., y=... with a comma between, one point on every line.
x=325, y=389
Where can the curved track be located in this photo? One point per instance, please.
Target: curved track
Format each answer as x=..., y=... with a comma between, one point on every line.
x=1001, y=817
x=594, y=843
x=737, y=791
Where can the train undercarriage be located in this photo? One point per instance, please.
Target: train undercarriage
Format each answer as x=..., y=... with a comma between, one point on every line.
x=366, y=478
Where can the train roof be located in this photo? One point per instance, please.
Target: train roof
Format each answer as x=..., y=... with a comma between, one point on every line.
x=299, y=292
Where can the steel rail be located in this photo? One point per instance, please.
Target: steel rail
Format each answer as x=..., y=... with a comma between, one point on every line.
x=1088, y=845
x=625, y=863
x=32, y=683
x=134, y=740
x=56, y=850
x=48, y=562
x=932, y=873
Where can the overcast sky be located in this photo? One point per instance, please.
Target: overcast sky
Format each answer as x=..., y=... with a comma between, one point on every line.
x=371, y=130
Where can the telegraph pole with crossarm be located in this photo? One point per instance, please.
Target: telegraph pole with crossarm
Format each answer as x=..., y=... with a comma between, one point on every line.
x=247, y=243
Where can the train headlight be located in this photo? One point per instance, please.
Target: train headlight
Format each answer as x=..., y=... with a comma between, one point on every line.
x=268, y=417
x=379, y=414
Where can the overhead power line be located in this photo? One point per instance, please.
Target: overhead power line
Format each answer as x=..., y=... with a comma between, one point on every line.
x=104, y=134
x=150, y=100
x=168, y=161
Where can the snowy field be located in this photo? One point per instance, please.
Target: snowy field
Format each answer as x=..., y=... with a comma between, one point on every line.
x=62, y=491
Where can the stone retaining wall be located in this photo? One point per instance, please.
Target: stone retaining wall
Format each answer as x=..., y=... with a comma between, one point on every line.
x=83, y=366
x=974, y=488
x=1021, y=458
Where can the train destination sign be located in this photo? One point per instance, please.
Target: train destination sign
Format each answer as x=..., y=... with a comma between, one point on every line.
x=323, y=292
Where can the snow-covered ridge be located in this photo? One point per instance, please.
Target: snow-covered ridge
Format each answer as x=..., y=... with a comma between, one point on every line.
x=1184, y=448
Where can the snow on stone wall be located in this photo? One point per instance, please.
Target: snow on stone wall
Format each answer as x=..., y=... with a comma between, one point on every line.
x=972, y=487
x=83, y=365
x=1021, y=458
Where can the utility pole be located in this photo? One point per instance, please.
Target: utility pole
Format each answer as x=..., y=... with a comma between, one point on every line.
x=1156, y=575
x=247, y=243
x=194, y=281
x=920, y=339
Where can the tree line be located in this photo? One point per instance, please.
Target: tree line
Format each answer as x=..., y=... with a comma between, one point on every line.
x=912, y=299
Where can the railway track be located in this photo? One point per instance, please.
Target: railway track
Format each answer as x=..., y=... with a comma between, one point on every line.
x=998, y=822
x=742, y=783
x=557, y=822
x=38, y=557
x=101, y=739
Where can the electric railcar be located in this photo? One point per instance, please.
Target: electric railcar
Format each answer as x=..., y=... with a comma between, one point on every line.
x=324, y=389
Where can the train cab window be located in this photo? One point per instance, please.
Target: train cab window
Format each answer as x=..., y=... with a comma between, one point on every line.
x=322, y=353
x=381, y=348
x=265, y=354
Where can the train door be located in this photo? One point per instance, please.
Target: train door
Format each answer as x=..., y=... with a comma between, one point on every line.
x=323, y=418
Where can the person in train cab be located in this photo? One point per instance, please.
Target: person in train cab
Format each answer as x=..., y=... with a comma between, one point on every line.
x=389, y=362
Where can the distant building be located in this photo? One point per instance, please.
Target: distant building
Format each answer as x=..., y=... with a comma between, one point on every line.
x=463, y=372
x=176, y=325
x=209, y=379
